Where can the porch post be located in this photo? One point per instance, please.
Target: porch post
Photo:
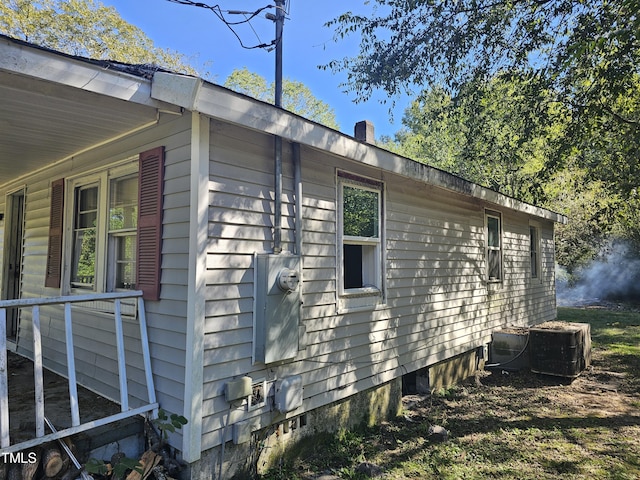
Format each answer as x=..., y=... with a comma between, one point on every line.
x=37, y=371
x=146, y=354
x=122, y=365
x=198, y=221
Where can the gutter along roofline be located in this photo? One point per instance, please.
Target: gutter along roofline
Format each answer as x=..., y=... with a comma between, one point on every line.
x=197, y=95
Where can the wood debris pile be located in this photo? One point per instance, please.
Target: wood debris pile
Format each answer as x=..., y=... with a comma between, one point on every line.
x=57, y=461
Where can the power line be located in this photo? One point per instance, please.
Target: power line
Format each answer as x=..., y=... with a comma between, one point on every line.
x=249, y=15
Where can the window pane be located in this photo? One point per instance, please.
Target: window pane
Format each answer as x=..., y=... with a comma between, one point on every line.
x=125, y=261
x=494, y=264
x=88, y=199
x=83, y=268
x=123, y=203
x=87, y=219
x=493, y=227
x=353, y=266
x=83, y=264
x=360, y=212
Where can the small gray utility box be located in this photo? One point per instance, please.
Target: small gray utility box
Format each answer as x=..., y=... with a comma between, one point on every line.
x=276, y=312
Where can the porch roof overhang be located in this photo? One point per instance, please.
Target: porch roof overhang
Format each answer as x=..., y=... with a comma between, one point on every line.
x=54, y=106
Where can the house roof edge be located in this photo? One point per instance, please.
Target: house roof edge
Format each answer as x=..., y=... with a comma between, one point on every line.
x=219, y=102
x=168, y=91
x=127, y=82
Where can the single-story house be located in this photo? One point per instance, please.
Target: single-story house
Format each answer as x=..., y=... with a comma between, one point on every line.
x=167, y=242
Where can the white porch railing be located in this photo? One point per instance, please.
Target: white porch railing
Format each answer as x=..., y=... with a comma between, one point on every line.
x=76, y=426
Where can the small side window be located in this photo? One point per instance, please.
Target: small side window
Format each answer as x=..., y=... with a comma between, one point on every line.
x=494, y=245
x=534, y=250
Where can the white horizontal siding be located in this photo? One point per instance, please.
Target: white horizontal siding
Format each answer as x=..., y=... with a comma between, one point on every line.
x=437, y=300
x=437, y=305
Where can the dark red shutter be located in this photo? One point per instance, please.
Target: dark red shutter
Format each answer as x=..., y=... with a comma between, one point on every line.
x=149, y=242
x=54, y=250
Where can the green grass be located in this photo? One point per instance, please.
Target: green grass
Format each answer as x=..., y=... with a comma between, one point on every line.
x=615, y=331
x=517, y=426
x=616, y=339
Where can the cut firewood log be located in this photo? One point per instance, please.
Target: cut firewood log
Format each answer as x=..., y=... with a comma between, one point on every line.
x=148, y=461
x=52, y=462
x=159, y=473
x=29, y=467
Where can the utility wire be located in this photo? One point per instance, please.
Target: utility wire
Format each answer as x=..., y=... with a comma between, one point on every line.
x=220, y=14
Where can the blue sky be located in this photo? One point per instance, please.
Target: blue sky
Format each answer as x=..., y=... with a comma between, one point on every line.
x=206, y=40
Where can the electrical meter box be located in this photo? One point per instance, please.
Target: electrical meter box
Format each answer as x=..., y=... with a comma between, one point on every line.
x=276, y=312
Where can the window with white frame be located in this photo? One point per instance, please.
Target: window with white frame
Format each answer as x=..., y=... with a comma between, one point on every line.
x=102, y=251
x=360, y=230
x=105, y=228
x=494, y=245
x=534, y=250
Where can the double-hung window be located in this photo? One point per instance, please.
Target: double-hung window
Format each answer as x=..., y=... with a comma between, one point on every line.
x=494, y=245
x=360, y=262
x=85, y=225
x=105, y=230
x=105, y=216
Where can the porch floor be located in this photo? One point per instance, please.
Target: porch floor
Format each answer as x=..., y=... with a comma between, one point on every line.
x=22, y=425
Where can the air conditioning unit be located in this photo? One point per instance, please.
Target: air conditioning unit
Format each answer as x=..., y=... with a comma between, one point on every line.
x=560, y=348
x=509, y=349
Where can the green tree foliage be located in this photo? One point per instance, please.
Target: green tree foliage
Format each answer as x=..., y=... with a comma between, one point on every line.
x=84, y=28
x=429, y=43
x=296, y=97
x=582, y=54
x=498, y=134
x=434, y=132
x=592, y=213
x=537, y=99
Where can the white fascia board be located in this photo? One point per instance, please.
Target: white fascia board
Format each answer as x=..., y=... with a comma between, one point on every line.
x=42, y=64
x=223, y=104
